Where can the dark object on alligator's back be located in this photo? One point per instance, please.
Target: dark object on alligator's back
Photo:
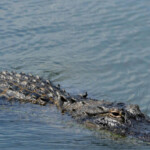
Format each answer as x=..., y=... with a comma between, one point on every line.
x=116, y=117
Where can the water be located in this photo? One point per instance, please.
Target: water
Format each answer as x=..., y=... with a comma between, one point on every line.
x=97, y=46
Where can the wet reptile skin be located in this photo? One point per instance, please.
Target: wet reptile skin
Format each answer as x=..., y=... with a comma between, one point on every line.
x=126, y=120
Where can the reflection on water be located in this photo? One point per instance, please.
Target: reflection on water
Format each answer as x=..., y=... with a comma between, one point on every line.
x=97, y=46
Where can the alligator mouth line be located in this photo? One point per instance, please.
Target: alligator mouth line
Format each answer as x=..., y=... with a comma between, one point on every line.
x=111, y=113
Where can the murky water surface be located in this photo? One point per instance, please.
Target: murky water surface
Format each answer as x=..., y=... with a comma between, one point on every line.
x=102, y=47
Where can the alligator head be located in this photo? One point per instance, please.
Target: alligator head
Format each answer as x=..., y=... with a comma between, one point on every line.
x=122, y=119
x=116, y=117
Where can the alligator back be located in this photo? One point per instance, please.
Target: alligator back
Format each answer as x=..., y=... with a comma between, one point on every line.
x=28, y=88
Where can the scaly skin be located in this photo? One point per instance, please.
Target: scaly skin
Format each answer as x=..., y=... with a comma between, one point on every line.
x=116, y=117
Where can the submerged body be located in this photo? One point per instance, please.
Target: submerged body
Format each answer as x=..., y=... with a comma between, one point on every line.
x=116, y=117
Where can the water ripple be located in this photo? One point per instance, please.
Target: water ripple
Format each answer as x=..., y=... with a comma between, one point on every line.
x=97, y=46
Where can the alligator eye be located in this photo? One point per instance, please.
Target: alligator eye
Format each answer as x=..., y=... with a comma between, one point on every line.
x=115, y=114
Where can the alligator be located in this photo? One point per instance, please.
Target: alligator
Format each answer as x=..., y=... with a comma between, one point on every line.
x=119, y=118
